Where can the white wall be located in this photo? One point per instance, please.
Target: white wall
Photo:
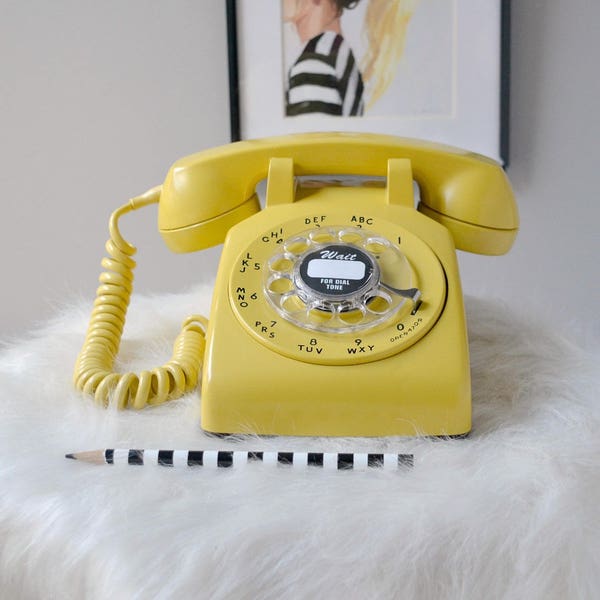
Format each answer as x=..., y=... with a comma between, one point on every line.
x=98, y=98
x=555, y=164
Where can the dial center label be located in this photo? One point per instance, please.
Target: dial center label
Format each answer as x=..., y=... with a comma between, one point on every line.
x=336, y=270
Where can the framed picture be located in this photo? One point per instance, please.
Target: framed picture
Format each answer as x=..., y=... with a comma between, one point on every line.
x=429, y=69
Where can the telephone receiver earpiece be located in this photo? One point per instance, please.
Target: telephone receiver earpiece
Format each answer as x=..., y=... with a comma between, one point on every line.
x=205, y=194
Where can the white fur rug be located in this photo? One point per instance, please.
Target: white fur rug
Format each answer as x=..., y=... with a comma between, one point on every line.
x=511, y=512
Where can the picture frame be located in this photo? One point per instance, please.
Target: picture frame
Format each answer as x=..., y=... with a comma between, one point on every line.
x=452, y=90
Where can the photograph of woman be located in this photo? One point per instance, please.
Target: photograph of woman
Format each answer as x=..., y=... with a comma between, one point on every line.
x=418, y=68
x=327, y=77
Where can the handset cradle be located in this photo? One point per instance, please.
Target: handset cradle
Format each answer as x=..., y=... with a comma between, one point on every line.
x=468, y=193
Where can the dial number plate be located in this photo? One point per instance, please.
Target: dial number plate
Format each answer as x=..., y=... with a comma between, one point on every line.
x=337, y=294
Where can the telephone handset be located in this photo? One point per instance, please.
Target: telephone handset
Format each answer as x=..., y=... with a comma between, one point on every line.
x=337, y=310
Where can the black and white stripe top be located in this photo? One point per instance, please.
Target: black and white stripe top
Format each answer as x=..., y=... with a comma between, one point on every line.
x=325, y=79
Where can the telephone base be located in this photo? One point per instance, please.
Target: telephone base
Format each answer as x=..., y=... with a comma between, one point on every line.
x=422, y=391
x=264, y=374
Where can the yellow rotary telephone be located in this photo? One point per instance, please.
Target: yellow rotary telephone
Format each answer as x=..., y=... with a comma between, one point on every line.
x=338, y=308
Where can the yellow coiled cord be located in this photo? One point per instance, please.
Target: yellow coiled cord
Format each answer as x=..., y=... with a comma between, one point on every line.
x=94, y=367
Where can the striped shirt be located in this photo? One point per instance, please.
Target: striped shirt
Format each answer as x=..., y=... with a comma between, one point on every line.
x=325, y=79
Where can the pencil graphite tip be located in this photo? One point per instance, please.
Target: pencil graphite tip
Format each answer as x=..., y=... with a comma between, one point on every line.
x=70, y=456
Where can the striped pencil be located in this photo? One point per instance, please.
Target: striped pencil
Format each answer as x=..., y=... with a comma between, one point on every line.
x=238, y=458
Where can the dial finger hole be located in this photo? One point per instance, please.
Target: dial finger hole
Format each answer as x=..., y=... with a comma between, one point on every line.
x=292, y=303
x=319, y=313
x=376, y=245
x=319, y=316
x=353, y=316
x=321, y=236
x=281, y=263
x=350, y=236
x=298, y=245
x=280, y=285
x=379, y=303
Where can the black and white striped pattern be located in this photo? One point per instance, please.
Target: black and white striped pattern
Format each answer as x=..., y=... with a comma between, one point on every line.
x=325, y=79
x=239, y=458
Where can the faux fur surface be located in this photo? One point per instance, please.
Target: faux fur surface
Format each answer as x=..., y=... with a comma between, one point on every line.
x=511, y=512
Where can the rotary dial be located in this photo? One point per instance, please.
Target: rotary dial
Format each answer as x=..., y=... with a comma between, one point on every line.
x=338, y=293
x=338, y=280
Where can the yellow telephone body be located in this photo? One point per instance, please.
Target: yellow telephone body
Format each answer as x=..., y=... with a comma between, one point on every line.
x=338, y=308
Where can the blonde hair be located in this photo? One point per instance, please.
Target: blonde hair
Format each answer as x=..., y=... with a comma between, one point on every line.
x=385, y=29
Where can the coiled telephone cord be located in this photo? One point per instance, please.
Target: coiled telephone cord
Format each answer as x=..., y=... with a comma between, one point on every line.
x=94, y=367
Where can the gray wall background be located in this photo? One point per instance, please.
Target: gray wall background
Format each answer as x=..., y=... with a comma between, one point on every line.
x=97, y=99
